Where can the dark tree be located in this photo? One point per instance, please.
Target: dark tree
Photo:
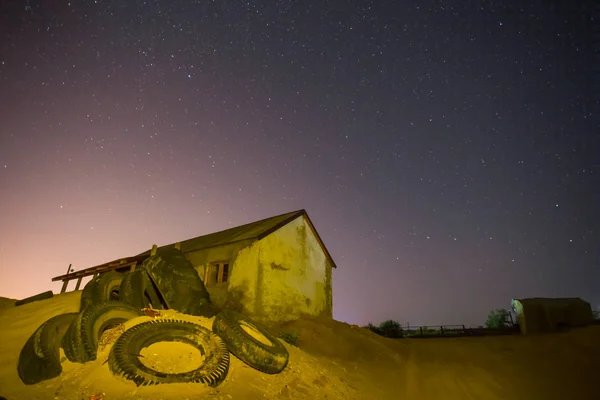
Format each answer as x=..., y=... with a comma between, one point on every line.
x=499, y=318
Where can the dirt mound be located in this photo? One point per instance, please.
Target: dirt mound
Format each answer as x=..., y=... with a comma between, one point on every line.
x=5, y=302
x=340, y=341
x=331, y=360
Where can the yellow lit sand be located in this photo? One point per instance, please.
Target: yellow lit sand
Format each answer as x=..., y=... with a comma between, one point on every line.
x=333, y=360
x=171, y=357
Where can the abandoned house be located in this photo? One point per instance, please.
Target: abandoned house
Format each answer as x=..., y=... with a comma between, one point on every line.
x=275, y=269
x=537, y=315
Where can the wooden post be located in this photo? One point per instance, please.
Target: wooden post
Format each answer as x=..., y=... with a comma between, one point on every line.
x=220, y=269
x=421, y=330
x=78, y=283
x=442, y=330
x=153, y=251
x=133, y=266
x=64, y=286
x=178, y=246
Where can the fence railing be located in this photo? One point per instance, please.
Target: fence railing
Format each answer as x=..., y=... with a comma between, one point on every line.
x=453, y=331
x=442, y=330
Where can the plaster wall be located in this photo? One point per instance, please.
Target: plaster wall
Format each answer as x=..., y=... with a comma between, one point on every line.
x=293, y=275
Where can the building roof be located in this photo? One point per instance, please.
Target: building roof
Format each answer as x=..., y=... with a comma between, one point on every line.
x=252, y=231
x=549, y=301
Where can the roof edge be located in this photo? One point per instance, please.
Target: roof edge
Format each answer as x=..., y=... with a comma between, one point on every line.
x=258, y=237
x=293, y=216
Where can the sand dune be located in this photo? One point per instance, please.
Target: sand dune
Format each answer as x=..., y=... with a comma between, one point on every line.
x=6, y=302
x=332, y=360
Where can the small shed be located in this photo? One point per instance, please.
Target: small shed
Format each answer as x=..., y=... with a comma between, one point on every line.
x=275, y=269
x=537, y=315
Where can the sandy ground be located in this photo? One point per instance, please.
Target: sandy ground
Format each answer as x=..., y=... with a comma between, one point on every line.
x=332, y=360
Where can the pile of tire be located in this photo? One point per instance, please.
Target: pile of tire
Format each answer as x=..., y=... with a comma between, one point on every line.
x=165, y=280
x=181, y=289
x=102, y=307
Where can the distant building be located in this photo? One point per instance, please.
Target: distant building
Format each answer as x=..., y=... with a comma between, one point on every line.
x=537, y=315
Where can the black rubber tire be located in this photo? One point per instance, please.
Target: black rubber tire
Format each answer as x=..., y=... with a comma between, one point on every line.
x=124, y=361
x=40, y=356
x=102, y=288
x=80, y=343
x=138, y=290
x=178, y=283
x=41, y=296
x=270, y=359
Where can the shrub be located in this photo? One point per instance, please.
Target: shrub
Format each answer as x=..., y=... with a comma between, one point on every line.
x=497, y=319
x=374, y=329
x=290, y=337
x=390, y=329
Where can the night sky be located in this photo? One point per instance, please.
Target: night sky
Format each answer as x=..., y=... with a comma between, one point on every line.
x=446, y=151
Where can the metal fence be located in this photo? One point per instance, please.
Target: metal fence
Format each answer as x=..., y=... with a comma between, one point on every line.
x=454, y=331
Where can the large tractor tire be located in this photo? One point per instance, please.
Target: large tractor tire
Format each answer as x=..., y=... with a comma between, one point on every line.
x=80, y=343
x=101, y=288
x=40, y=356
x=124, y=355
x=179, y=283
x=138, y=290
x=250, y=342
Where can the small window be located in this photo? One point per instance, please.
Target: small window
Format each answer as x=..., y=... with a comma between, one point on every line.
x=225, y=273
x=217, y=272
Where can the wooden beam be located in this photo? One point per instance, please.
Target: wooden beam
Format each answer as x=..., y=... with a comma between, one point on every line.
x=118, y=264
x=78, y=283
x=64, y=286
x=92, y=271
x=220, y=267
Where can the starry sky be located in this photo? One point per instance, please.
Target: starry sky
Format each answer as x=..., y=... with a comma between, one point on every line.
x=446, y=151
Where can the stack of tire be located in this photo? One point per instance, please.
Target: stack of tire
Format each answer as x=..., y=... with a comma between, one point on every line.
x=166, y=280
x=101, y=307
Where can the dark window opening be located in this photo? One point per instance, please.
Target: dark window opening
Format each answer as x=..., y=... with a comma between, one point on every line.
x=217, y=272
x=225, y=273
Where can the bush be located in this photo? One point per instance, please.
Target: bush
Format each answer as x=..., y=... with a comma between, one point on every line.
x=290, y=337
x=374, y=329
x=498, y=319
x=389, y=328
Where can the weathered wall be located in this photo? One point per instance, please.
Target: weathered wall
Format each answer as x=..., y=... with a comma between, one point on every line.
x=243, y=280
x=293, y=275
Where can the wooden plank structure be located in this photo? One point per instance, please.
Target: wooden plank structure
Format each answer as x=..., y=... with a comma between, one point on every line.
x=121, y=265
